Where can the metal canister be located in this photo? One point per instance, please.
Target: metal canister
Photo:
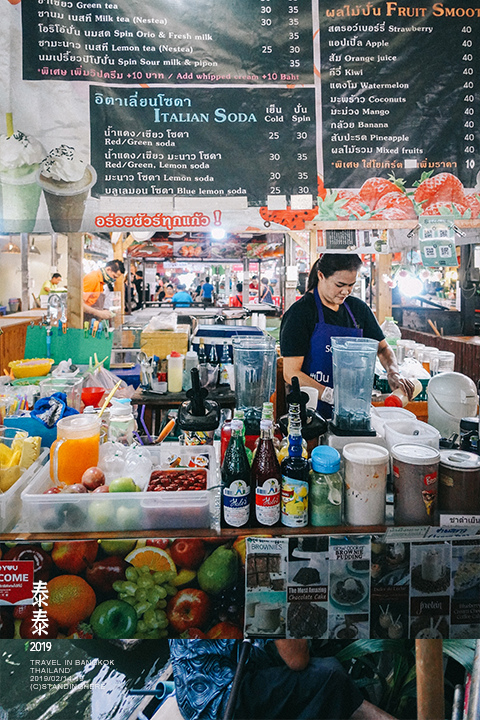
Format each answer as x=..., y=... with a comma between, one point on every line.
x=459, y=489
x=415, y=484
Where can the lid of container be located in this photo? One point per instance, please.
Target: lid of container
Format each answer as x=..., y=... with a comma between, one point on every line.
x=459, y=459
x=365, y=453
x=325, y=459
x=393, y=401
x=415, y=454
x=466, y=423
x=452, y=386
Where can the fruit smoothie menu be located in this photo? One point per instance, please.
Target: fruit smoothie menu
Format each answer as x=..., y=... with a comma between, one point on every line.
x=203, y=143
x=399, y=90
x=130, y=41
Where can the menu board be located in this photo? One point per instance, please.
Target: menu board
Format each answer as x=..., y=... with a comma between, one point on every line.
x=362, y=586
x=399, y=90
x=200, y=142
x=130, y=41
x=294, y=106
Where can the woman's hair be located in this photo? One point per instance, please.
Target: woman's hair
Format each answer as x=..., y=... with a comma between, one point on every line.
x=330, y=263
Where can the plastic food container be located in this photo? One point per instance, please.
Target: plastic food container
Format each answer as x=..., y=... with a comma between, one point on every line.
x=366, y=467
x=124, y=510
x=459, y=487
x=11, y=500
x=31, y=368
x=414, y=432
x=415, y=483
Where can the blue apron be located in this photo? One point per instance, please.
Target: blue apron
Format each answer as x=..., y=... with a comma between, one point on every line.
x=318, y=360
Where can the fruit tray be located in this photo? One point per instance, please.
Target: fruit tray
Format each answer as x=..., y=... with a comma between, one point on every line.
x=11, y=502
x=120, y=511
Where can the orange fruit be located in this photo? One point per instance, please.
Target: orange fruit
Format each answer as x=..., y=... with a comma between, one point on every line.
x=70, y=600
x=154, y=557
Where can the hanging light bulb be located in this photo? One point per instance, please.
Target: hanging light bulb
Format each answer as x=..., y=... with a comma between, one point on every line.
x=33, y=250
x=11, y=249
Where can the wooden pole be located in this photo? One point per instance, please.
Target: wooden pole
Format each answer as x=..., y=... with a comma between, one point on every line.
x=430, y=693
x=24, y=269
x=75, y=280
x=383, y=293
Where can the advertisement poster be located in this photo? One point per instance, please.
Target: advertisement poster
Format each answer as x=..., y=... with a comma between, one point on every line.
x=244, y=116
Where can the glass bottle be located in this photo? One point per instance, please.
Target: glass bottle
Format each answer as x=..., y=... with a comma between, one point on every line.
x=294, y=467
x=202, y=354
x=266, y=480
x=236, y=482
x=213, y=356
x=226, y=434
x=326, y=487
x=223, y=378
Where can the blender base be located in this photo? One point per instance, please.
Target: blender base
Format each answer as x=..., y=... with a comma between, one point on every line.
x=339, y=438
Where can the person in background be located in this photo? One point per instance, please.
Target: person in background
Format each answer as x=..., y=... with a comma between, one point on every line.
x=253, y=286
x=182, y=298
x=281, y=680
x=49, y=285
x=169, y=292
x=237, y=300
x=206, y=293
x=139, y=284
x=325, y=311
x=266, y=292
x=132, y=291
x=94, y=289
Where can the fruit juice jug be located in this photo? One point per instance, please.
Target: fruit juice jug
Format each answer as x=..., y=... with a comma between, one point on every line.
x=75, y=449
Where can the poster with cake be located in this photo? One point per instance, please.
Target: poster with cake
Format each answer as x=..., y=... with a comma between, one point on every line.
x=465, y=606
x=349, y=587
x=390, y=589
x=307, y=593
x=266, y=583
x=430, y=583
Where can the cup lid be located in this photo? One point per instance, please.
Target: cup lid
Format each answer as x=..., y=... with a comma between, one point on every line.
x=365, y=453
x=459, y=459
x=415, y=454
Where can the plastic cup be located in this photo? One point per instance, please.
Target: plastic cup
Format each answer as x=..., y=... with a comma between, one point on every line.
x=20, y=199
x=66, y=200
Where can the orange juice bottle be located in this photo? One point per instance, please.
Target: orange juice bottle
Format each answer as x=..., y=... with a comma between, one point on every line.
x=75, y=449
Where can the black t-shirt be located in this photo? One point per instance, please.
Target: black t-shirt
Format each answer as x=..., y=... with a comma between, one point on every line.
x=300, y=319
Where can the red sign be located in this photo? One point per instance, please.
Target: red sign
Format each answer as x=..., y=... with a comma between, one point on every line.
x=16, y=582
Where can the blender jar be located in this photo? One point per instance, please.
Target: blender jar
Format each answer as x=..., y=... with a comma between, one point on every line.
x=353, y=374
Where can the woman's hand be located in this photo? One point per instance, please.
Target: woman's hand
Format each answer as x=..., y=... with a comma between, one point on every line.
x=395, y=380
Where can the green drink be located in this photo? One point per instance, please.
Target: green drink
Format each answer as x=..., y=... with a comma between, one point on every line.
x=20, y=157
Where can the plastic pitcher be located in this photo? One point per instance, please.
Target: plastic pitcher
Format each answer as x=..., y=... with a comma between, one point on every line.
x=255, y=361
x=75, y=449
x=353, y=374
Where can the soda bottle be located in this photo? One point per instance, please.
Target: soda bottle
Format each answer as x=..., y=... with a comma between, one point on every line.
x=266, y=479
x=295, y=477
x=236, y=481
x=226, y=434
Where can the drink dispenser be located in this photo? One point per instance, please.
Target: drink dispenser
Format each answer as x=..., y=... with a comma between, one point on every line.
x=353, y=375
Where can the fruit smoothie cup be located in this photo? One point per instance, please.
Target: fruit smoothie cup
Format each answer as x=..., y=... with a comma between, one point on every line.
x=75, y=449
x=66, y=182
x=20, y=157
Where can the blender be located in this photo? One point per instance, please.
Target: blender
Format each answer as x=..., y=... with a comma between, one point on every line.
x=353, y=376
x=255, y=361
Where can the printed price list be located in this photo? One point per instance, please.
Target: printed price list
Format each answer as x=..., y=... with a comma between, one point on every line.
x=157, y=41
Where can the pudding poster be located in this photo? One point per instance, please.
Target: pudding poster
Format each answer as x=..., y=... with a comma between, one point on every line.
x=247, y=116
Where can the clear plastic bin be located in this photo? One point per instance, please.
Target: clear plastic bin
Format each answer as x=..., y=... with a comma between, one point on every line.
x=72, y=387
x=11, y=500
x=124, y=511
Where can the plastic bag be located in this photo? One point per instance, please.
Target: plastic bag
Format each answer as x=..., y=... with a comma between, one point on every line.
x=163, y=321
x=101, y=377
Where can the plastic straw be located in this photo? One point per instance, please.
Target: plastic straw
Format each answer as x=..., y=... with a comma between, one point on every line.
x=142, y=420
x=108, y=398
x=9, y=120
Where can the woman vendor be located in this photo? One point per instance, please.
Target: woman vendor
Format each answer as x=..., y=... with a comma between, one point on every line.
x=325, y=311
